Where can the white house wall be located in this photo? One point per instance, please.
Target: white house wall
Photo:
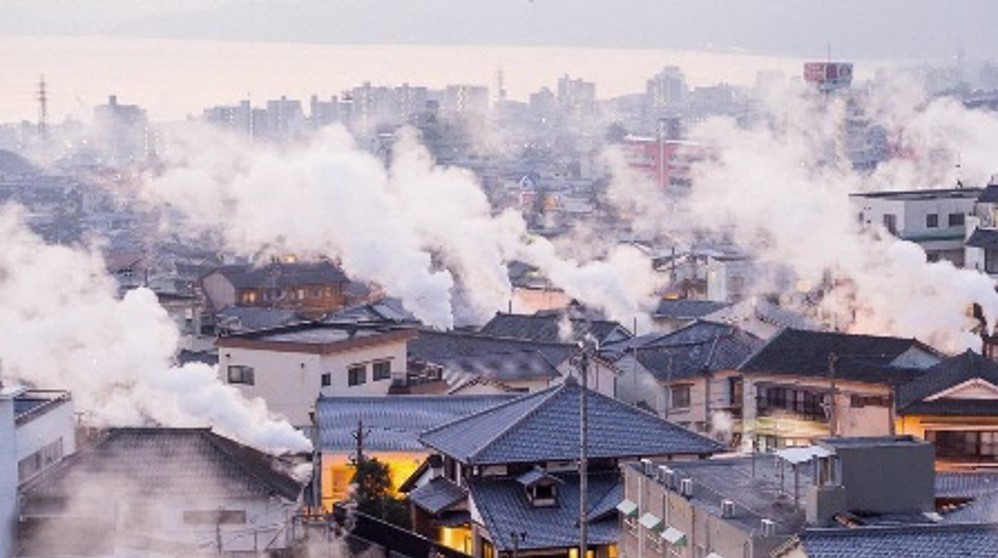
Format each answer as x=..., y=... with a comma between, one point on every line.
x=55, y=423
x=8, y=476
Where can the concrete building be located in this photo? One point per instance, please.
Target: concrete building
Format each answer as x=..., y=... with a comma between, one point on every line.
x=37, y=429
x=753, y=506
x=290, y=367
x=936, y=220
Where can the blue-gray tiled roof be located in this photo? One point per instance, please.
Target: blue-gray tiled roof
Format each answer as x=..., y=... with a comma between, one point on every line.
x=437, y=495
x=393, y=422
x=505, y=510
x=923, y=541
x=947, y=374
x=544, y=426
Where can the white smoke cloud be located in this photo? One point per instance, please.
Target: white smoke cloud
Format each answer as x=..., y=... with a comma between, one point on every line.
x=65, y=328
x=779, y=189
x=426, y=234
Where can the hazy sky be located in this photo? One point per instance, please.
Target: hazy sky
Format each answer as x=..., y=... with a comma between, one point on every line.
x=175, y=57
x=909, y=29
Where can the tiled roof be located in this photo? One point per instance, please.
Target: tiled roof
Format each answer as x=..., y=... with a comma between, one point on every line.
x=923, y=541
x=686, y=309
x=947, y=374
x=437, y=495
x=864, y=358
x=983, y=238
x=544, y=426
x=501, y=367
x=278, y=275
x=989, y=194
x=505, y=510
x=440, y=346
x=167, y=462
x=696, y=348
x=387, y=311
x=250, y=318
x=980, y=487
x=393, y=422
x=547, y=328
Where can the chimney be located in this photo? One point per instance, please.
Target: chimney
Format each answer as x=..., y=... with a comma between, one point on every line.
x=727, y=509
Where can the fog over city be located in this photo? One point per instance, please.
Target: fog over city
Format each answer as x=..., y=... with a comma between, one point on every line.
x=480, y=279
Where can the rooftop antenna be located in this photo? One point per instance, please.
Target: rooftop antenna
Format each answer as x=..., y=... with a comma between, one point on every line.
x=500, y=85
x=959, y=166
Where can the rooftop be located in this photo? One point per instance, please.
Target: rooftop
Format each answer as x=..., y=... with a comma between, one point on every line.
x=278, y=275
x=442, y=346
x=922, y=541
x=166, y=462
x=544, y=426
x=927, y=393
x=550, y=328
x=698, y=347
x=34, y=403
x=393, y=422
x=933, y=194
x=315, y=337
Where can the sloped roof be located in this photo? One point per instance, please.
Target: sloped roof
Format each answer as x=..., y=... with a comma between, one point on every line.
x=501, y=367
x=547, y=328
x=989, y=194
x=437, y=495
x=167, y=462
x=505, y=510
x=545, y=426
x=686, y=309
x=983, y=238
x=393, y=422
x=699, y=347
x=387, y=311
x=279, y=275
x=947, y=374
x=441, y=346
x=922, y=541
x=863, y=358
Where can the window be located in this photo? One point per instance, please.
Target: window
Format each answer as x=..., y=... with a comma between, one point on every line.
x=858, y=401
x=357, y=375
x=247, y=297
x=956, y=219
x=735, y=391
x=932, y=220
x=214, y=517
x=327, y=379
x=39, y=461
x=680, y=396
x=975, y=446
x=382, y=370
x=891, y=223
x=239, y=374
x=991, y=261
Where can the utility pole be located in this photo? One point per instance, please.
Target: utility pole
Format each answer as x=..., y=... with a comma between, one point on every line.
x=583, y=452
x=359, y=436
x=833, y=417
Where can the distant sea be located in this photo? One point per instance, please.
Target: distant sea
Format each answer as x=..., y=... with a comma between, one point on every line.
x=176, y=78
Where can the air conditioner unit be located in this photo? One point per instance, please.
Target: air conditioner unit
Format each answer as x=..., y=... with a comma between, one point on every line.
x=663, y=474
x=686, y=487
x=647, y=467
x=727, y=509
x=768, y=527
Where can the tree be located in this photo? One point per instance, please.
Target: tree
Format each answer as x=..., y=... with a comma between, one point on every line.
x=373, y=493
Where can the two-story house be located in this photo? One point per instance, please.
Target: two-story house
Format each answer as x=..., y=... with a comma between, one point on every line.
x=289, y=367
x=804, y=385
x=936, y=220
x=507, y=479
x=309, y=288
x=684, y=376
x=954, y=404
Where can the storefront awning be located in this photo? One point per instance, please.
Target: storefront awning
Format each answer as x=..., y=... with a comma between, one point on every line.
x=674, y=536
x=651, y=521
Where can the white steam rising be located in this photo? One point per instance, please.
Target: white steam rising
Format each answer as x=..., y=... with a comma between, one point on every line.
x=426, y=234
x=779, y=190
x=64, y=328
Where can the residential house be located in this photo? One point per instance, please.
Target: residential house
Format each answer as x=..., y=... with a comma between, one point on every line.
x=954, y=404
x=289, y=367
x=674, y=313
x=461, y=359
x=176, y=491
x=933, y=219
x=37, y=429
x=386, y=428
x=308, y=288
x=760, y=506
x=506, y=479
x=804, y=385
x=684, y=376
x=981, y=246
x=553, y=328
